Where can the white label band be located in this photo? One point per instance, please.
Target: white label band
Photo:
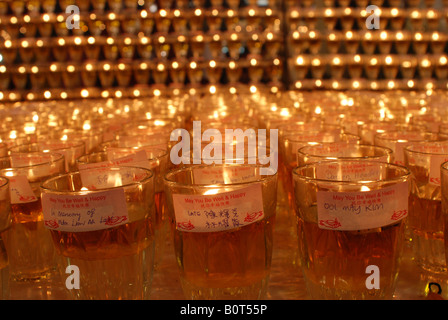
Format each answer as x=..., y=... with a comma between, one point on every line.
x=350, y=211
x=218, y=212
x=20, y=190
x=434, y=168
x=89, y=212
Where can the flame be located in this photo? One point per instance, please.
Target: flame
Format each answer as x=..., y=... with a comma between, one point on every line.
x=212, y=191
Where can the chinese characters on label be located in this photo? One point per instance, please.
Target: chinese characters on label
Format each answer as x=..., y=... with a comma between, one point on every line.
x=218, y=212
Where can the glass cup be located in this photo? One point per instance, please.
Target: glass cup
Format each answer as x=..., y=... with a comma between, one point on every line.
x=234, y=152
x=333, y=151
x=398, y=140
x=30, y=247
x=71, y=150
x=12, y=138
x=148, y=157
x=444, y=187
x=123, y=143
x=223, y=218
x=92, y=138
x=368, y=130
x=350, y=217
x=292, y=142
x=102, y=223
x=341, y=151
x=425, y=222
x=5, y=224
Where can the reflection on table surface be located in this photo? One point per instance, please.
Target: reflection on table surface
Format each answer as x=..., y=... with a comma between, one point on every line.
x=286, y=282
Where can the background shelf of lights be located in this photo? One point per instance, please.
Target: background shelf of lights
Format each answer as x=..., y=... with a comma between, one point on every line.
x=135, y=47
x=329, y=46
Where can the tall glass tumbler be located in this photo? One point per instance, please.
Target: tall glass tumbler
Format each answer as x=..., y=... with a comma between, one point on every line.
x=292, y=142
x=102, y=223
x=30, y=247
x=223, y=216
x=350, y=224
x=444, y=187
x=425, y=222
x=147, y=157
x=155, y=157
x=5, y=224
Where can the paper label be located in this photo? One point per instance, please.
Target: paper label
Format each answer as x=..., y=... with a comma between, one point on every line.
x=350, y=211
x=117, y=153
x=436, y=152
x=304, y=139
x=335, y=149
x=102, y=178
x=369, y=130
x=439, y=155
x=399, y=146
x=434, y=168
x=89, y=212
x=20, y=190
x=399, y=152
x=218, y=212
x=353, y=171
x=221, y=175
x=25, y=160
x=137, y=159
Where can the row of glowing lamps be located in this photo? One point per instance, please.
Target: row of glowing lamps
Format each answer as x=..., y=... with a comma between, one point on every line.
x=369, y=42
x=179, y=19
x=142, y=39
x=66, y=50
x=154, y=91
x=388, y=18
x=362, y=3
x=309, y=39
x=49, y=6
x=366, y=61
x=404, y=62
x=73, y=49
x=362, y=84
x=144, y=14
x=300, y=41
x=303, y=33
x=88, y=75
x=309, y=84
x=294, y=14
x=142, y=65
x=407, y=70
x=345, y=12
x=111, y=23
